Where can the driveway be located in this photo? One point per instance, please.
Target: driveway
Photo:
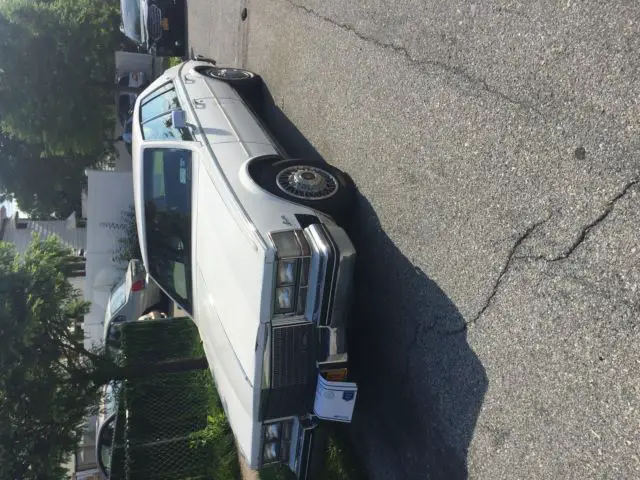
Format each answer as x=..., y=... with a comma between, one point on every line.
x=496, y=149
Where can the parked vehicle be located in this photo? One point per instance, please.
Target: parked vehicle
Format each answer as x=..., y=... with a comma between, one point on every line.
x=126, y=100
x=245, y=240
x=158, y=26
x=133, y=297
x=126, y=135
x=105, y=427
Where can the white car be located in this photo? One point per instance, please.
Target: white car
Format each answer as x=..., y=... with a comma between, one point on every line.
x=243, y=238
x=105, y=427
x=130, y=299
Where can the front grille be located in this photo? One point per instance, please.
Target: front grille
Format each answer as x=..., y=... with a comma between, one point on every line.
x=154, y=22
x=293, y=355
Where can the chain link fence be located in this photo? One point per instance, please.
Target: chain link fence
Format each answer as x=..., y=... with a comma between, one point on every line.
x=164, y=428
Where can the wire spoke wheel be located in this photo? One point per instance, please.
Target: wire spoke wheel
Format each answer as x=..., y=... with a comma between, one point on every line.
x=229, y=73
x=307, y=182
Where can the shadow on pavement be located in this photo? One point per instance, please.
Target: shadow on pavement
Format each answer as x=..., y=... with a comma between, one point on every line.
x=421, y=385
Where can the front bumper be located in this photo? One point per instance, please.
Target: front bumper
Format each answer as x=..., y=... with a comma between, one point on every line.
x=333, y=258
x=302, y=446
x=301, y=349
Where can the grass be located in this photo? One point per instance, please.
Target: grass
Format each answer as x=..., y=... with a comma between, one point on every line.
x=341, y=462
x=187, y=405
x=180, y=409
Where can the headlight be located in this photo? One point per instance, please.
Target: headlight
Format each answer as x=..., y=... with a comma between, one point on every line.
x=284, y=299
x=287, y=272
x=277, y=441
x=270, y=452
x=292, y=270
x=272, y=432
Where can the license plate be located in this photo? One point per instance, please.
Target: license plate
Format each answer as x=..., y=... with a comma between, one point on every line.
x=336, y=375
x=165, y=24
x=335, y=401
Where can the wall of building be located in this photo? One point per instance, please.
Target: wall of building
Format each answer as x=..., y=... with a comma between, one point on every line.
x=110, y=196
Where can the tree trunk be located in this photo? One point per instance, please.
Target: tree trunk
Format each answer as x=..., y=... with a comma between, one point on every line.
x=144, y=370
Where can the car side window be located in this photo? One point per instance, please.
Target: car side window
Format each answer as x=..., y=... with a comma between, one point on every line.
x=160, y=128
x=167, y=193
x=155, y=115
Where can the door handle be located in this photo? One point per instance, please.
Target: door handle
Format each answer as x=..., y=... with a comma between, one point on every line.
x=199, y=103
x=188, y=79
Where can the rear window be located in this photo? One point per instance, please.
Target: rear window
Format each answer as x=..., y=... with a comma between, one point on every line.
x=155, y=115
x=118, y=298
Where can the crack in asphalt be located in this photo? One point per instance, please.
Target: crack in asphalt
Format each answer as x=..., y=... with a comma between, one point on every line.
x=511, y=257
x=586, y=230
x=421, y=63
x=581, y=237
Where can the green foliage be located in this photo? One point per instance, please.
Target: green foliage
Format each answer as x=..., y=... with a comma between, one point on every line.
x=175, y=425
x=128, y=244
x=173, y=61
x=42, y=186
x=341, y=462
x=49, y=381
x=57, y=73
x=42, y=404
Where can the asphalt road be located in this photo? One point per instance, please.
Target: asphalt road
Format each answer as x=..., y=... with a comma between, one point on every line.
x=495, y=147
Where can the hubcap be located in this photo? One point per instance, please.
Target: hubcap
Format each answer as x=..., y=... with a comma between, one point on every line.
x=229, y=73
x=307, y=182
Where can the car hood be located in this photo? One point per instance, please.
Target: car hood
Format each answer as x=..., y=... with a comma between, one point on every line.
x=232, y=275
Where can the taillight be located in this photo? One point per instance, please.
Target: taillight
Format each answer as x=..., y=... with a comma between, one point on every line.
x=137, y=286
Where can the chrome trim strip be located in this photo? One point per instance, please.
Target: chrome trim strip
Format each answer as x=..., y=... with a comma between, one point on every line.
x=321, y=256
x=341, y=293
x=300, y=457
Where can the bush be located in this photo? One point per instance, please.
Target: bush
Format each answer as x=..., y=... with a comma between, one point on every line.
x=128, y=243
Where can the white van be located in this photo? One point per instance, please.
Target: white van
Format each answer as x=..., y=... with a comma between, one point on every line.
x=243, y=238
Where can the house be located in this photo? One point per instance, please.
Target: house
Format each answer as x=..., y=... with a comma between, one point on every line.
x=71, y=232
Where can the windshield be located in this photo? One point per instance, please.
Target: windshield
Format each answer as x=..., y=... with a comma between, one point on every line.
x=167, y=192
x=130, y=11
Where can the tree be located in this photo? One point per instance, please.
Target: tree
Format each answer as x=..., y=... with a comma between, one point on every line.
x=48, y=381
x=42, y=186
x=57, y=72
x=128, y=244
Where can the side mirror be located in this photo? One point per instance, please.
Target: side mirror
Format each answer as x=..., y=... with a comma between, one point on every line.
x=178, y=119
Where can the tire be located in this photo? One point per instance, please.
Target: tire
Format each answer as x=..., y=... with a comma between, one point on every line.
x=242, y=80
x=313, y=184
